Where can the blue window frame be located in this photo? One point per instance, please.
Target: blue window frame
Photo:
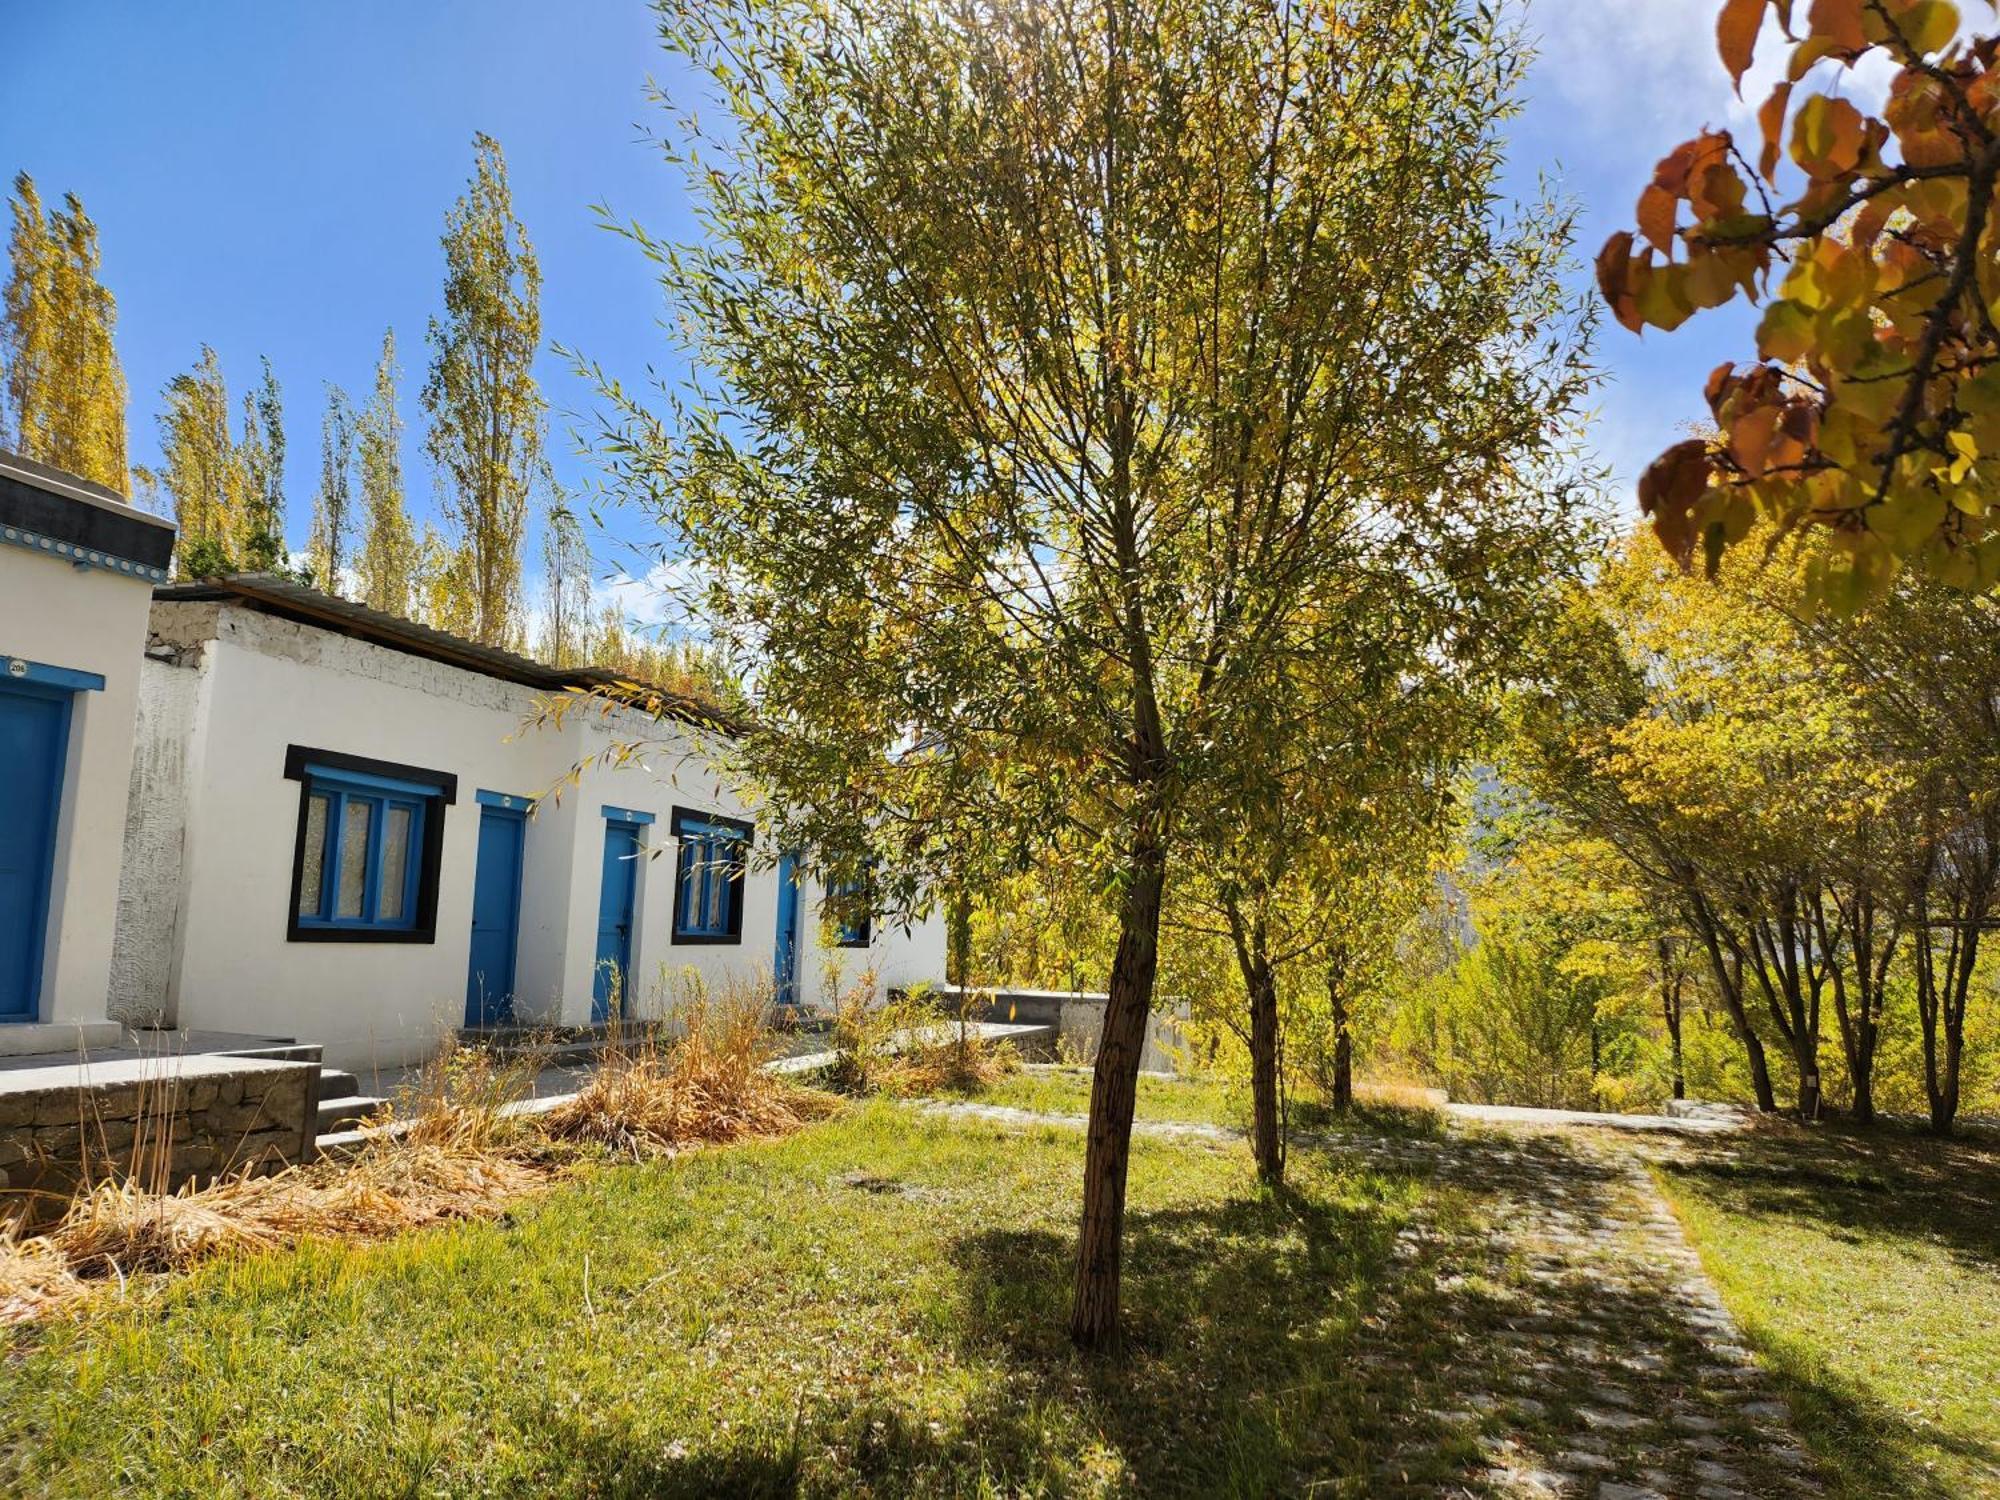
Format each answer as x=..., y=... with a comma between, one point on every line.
x=369, y=840
x=708, y=877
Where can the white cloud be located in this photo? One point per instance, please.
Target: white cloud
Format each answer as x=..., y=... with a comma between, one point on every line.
x=667, y=596
x=1622, y=64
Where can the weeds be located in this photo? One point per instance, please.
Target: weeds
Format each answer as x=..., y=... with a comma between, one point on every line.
x=911, y=1045
x=700, y=1078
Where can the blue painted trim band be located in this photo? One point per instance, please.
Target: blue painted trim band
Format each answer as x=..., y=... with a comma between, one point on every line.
x=372, y=783
x=83, y=557
x=20, y=669
x=505, y=801
x=626, y=815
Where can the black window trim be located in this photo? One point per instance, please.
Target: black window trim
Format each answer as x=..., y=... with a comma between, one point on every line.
x=424, y=928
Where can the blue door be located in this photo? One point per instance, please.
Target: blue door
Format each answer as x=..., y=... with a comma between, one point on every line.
x=785, y=961
x=496, y=917
x=34, y=739
x=614, y=920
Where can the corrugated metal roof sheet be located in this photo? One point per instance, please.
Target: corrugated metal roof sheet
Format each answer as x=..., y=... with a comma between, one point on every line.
x=276, y=594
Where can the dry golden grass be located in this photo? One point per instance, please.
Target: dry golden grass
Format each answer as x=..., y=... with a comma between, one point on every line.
x=911, y=1046
x=450, y=1146
x=705, y=1083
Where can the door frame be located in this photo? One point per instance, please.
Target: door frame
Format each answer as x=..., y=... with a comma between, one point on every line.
x=785, y=955
x=57, y=685
x=512, y=811
x=629, y=824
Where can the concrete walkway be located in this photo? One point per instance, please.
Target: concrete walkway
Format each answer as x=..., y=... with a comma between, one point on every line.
x=1549, y=1331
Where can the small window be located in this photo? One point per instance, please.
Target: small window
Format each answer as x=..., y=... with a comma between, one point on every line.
x=847, y=903
x=368, y=847
x=708, y=877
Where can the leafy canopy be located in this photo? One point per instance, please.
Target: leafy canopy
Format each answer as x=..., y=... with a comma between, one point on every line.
x=1872, y=410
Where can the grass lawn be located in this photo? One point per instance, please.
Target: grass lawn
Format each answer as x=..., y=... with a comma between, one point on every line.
x=874, y=1305
x=1866, y=1268
x=1208, y=1101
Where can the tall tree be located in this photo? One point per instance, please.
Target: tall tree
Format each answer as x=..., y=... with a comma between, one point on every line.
x=1071, y=356
x=201, y=470
x=64, y=390
x=261, y=455
x=566, y=606
x=1872, y=411
x=388, y=562
x=333, y=502
x=486, y=411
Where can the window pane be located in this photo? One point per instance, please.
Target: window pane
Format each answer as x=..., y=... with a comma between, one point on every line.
x=353, y=880
x=312, y=859
x=718, y=885
x=690, y=885
x=397, y=825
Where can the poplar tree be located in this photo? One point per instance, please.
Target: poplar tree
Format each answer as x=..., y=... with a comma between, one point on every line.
x=201, y=470
x=63, y=398
x=486, y=410
x=1062, y=364
x=333, y=504
x=261, y=541
x=566, y=606
x=388, y=563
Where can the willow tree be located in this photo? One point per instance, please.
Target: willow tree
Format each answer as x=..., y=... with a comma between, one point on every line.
x=62, y=400
x=1059, y=361
x=486, y=411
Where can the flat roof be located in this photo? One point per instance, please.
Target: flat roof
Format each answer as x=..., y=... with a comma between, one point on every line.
x=275, y=594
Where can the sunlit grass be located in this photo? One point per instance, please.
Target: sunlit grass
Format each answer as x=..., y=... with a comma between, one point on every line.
x=874, y=1305
x=1866, y=1270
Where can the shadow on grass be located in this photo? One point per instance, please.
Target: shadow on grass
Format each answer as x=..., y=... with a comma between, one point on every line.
x=1886, y=1180
x=1238, y=1374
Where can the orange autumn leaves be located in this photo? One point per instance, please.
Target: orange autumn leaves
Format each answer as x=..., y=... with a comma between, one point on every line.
x=1873, y=407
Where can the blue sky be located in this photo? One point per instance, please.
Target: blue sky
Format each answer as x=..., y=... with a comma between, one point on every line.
x=272, y=179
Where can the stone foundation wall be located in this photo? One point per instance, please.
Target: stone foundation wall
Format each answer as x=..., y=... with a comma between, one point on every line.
x=163, y=1121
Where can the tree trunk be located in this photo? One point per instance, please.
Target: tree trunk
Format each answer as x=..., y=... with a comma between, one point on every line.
x=1266, y=1143
x=1343, y=1049
x=1093, y=1319
x=1729, y=982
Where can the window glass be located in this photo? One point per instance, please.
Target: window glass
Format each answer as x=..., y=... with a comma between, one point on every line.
x=396, y=826
x=352, y=888
x=313, y=856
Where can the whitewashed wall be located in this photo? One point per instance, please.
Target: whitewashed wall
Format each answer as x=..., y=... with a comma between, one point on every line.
x=88, y=620
x=262, y=684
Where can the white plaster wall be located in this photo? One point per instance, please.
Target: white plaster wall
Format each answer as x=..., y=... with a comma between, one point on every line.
x=149, y=888
x=88, y=620
x=899, y=956
x=268, y=684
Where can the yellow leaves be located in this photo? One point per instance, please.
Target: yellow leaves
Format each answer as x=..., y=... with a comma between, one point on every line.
x=1964, y=454
x=1786, y=332
x=1771, y=120
x=1657, y=210
x=1736, y=36
x=1929, y=25
x=1828, y=137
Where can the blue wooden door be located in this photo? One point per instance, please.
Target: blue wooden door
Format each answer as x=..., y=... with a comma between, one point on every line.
x=34, y=739
x=614, y=920
x=785, y=961
x=496, y=917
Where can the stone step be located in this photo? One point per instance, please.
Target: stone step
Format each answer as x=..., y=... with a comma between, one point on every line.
x=338, y=1083
x=341, y=1114
x=279, y=1052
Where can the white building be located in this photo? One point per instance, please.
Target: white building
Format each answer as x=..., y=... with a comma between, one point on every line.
x=77, y=569
x=345, y=828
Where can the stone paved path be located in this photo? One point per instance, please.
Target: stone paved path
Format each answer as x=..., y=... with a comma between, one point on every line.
x=1550, y=1333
